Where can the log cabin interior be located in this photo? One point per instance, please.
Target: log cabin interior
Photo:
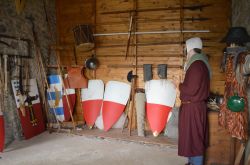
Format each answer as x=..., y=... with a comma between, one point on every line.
x=85, y=73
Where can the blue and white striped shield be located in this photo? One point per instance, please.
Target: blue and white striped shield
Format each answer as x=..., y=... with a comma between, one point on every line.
x=54, y=94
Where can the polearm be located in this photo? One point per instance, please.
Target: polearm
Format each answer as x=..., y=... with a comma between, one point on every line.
x=153, y=32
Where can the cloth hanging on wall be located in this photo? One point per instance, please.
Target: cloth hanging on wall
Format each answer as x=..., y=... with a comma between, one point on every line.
x=235, y=122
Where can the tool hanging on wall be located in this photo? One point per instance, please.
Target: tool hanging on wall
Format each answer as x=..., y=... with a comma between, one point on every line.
x=21, y=94
x=189, y=7
x=162, y=71
x=147, y=72
x=190, y=19
x=92, y=63
x=129, y=33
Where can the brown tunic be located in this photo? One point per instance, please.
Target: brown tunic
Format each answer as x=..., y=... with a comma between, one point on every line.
x=193, y=126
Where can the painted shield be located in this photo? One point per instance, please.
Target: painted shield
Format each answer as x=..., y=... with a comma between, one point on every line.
x=161, y=96
x=72, y=100
x=118, y=124
x=30, y=112
x=55, y=95
x=92, y=98
x=2, y=133
x=115, y=98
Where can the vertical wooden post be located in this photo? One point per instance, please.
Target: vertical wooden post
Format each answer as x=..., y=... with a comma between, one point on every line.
x=66, y=94
x=232, y=150
x=136, y=66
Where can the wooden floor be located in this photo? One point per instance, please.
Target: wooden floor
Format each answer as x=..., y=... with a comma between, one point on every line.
x=118, y=134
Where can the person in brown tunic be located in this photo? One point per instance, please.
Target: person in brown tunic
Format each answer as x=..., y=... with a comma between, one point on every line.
x=194, y=91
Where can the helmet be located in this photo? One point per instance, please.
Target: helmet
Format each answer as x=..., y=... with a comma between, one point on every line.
x=92, y=63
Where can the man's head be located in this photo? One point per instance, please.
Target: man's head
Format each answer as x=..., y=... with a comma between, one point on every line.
x=193, y=46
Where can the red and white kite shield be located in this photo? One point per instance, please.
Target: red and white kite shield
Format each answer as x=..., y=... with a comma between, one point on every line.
x=115, y=98
x=72, y=100
x=160, y=95
x=92, y=98
x=119, y=124
x=30, y=127
x=2, y=133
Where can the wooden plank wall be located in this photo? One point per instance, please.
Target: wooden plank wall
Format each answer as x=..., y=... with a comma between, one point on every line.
x=156, y=48
x=221, y=149
x=152, y=48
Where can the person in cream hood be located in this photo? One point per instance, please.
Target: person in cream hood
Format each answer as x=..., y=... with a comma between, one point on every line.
x=194, y=91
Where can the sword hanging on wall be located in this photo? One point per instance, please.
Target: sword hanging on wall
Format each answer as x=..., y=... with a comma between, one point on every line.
x=191, y=7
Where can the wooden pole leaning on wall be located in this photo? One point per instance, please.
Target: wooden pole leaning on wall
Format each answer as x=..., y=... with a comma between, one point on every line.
x=134, y=123
x=134, y=77
x=240, y=154
x=129, y=33
x=45, y=85
x=66, y=94
x=41, y=72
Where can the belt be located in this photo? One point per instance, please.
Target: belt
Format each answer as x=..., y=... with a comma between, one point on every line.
x=185, y=102
x=188, y=102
